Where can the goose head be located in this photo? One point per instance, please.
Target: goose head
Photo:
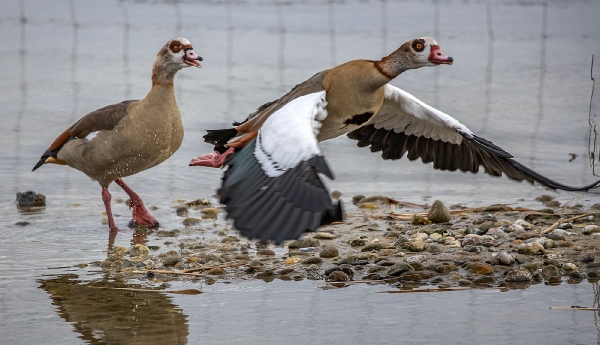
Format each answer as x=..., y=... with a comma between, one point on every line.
x=175, y=55
x=416, y=53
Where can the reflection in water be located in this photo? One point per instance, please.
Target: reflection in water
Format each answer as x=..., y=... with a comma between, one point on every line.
x=489, y=67
x=104, y=315
x=540, y=95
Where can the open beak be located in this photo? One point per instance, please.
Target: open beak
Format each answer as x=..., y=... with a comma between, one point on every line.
x=191, y=58
x=438, y=57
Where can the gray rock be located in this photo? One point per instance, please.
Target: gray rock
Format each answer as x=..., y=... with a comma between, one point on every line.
x=521, y=274
x=531, y=248
x=182, y=211
x=30, y=199
x=304, y=242
x=496, y=233
x=557, y=235
x=313, y=260
x=338, y=276
x=590, y=229
x=565, y=226
x=438, y=213
x=415, y=259
x=357, y=198
x=505, y=258
x=471, y=240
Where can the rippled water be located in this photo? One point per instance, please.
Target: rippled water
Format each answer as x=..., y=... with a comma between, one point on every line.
x=521, y=78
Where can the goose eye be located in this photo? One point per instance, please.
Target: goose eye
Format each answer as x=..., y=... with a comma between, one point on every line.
x=176, y=48
x=419, y=47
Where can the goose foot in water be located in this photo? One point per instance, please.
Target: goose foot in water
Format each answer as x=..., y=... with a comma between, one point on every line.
x=141, y=216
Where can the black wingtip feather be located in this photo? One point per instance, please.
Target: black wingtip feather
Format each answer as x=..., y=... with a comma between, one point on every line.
x=276, y=208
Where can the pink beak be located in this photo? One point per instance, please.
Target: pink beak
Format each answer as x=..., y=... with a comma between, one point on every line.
x=191, y=58
x=438, y=57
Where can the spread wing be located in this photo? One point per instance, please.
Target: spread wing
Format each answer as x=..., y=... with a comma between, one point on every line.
x=405, y=125
x=271, y=187
x=103, y=119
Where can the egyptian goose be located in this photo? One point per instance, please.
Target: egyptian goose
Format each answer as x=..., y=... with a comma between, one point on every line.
x=271, y=188
x=131, y=136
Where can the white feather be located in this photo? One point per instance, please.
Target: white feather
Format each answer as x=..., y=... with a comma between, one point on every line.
x=288, y=136
x=403, y=112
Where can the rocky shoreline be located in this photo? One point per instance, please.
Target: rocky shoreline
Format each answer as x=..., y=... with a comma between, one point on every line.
x=495, y=246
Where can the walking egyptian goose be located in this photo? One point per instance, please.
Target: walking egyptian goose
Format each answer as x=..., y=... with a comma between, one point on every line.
x=132, y=136
x=271, y=188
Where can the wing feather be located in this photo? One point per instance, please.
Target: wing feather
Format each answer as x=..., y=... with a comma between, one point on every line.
x=405, y=124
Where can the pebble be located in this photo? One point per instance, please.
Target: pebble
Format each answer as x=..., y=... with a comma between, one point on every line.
x=590, y=229
x=505, y=258
x=565, y=226
x=182, y=211
x=307, y=249
x=31, y=199
x=521, y=274
x=292, y=260
x=357, y=242
x=324, y=236
x=496, y=233
x=557, y=235
x=523, y=223
x=550, y=270
x=139, y=250
x=514, y=228
x=416, y=275
x=304, y=243
x=471, y=240
x=569, y=266
x=191, y=221
x=313, y=260
x=445, y=268
x=421, y=236
x=338, y=276
x=329, y=252
x=417, y=246
x=209, y=213
x=359, y=262
x=266, y=252
x=357, y=198
x=438, y=213
x=415, y=259
x=418, y=220
x=481, y=268
x=435, y=236
x=531, y=248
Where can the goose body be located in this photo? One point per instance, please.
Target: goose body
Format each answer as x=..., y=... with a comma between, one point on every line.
x=356, y=100
x=131, y=136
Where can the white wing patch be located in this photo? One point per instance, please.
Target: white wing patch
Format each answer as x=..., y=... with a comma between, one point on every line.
x=403, y=112
x=288, y=136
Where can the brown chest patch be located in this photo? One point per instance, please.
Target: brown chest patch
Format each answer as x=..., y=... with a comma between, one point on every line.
x=358, y=119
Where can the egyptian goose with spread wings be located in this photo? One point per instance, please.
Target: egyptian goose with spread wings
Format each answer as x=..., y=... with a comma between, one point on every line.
x=271, y=188
x=131, y=136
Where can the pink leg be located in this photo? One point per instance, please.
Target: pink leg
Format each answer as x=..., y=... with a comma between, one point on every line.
x=212, y=160
x=141, y=216
x=111, y=222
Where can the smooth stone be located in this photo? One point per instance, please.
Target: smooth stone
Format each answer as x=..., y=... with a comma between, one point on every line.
x=496, y=233
x=531, y=248
x=386, y=263
x=438, y=213
x=445, y=268
x=359, y=262
x=481, y=268
x=447, y=240
x=471, y=240
x=416, y=275
x=307, y=249
x=505, y=258
x=565, y=226
x=338, y=276
x=182, y=211
x=557, y=235
x=434, y=248
x=329, y=252
x=527, y=235
x=324, y=236
x=421, y=236
x=545, y=198
x=590, y=229
x=515, y=228
x=190, y=221
x=304, y=242
x=569, y=266
x=209, y=213
x=521, y=274
x=523, y=223
x=417, y=246
x=550, y=270
x=292, y=260
x=313, y=260
x=171, y=260
x=415, y=259
x=435, y=236
x=266, y=252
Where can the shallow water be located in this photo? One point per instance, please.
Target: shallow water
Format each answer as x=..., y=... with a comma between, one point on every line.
x=521, y=78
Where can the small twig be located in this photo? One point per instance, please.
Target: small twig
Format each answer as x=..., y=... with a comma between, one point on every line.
x=574, y=308
x=560, y=221
x=592, y=148
x=566, y=204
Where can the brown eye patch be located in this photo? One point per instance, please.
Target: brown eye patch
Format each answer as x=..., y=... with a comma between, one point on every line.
x=418, y=45
x=175, y=46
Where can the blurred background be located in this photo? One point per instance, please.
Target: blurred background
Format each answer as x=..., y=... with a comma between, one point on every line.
x=521, y=78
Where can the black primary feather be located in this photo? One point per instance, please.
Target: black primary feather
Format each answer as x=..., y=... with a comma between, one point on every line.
x=276, y=208
x=467, y=156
